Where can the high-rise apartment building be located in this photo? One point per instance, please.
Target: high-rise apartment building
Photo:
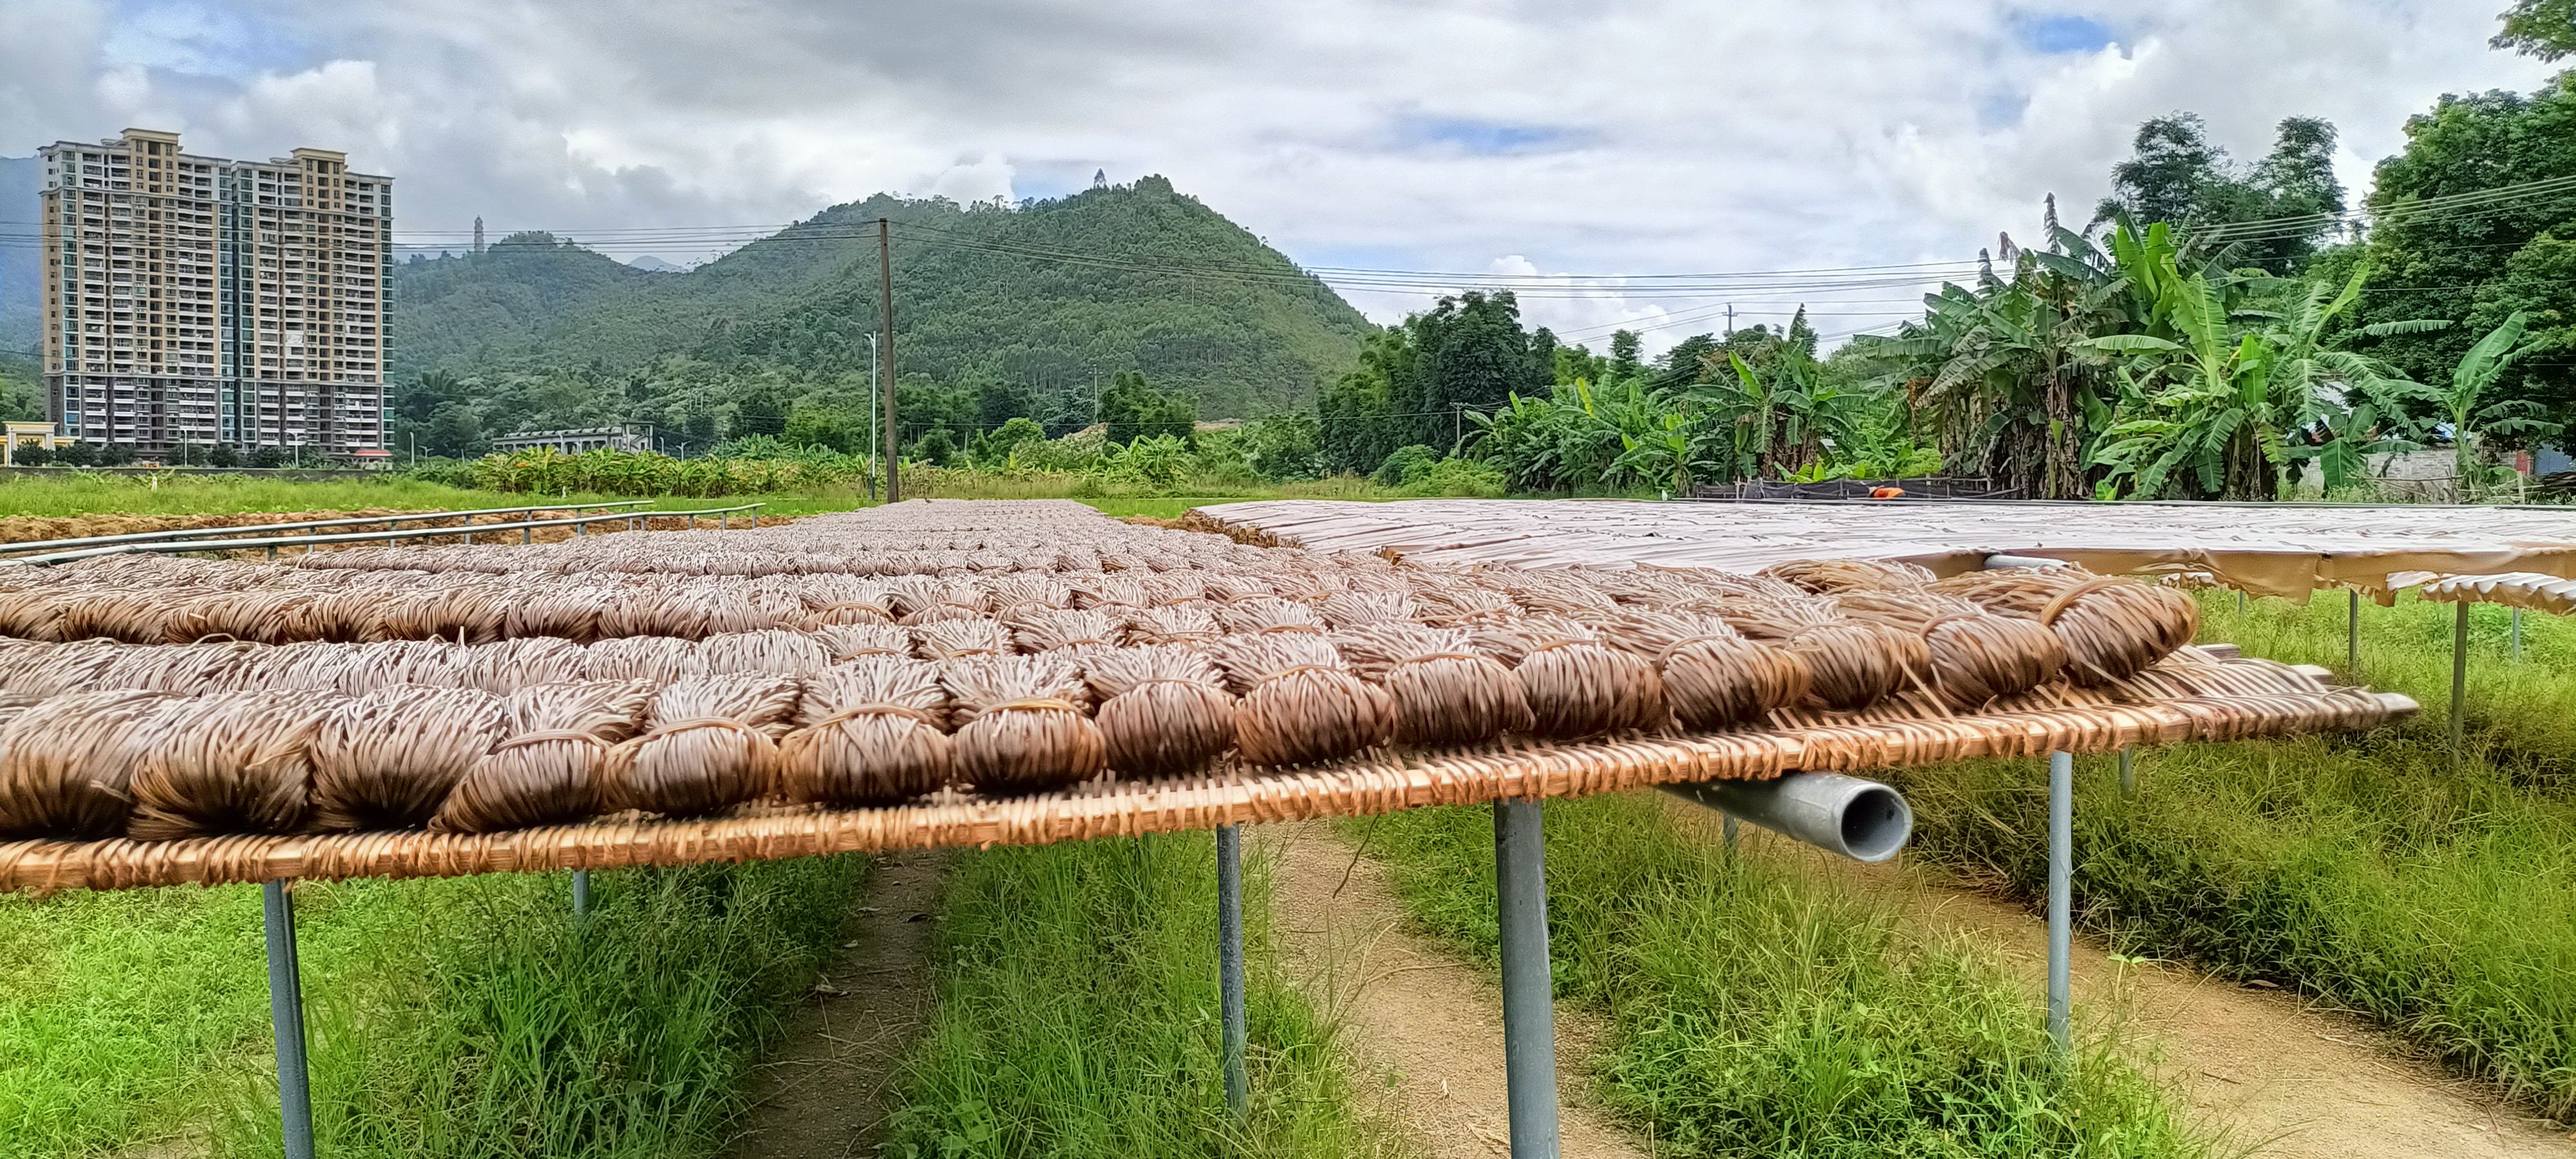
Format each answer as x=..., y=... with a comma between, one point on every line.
x=194, y=300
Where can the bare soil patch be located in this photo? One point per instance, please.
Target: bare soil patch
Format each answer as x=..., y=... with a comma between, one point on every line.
x=826, y=1091
x=1425, y=1030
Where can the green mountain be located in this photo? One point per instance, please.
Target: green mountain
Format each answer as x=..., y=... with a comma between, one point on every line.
x=21, y=285
x=1048, y=299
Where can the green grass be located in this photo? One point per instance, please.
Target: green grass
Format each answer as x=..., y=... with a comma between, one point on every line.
x=2366, y=871
x=1757, y=1011
x=1078, y=1017
x=2519, y=712
x=466, y=1017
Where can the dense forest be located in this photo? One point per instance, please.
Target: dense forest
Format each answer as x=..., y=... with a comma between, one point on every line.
x=989, y=318
x=21, y=284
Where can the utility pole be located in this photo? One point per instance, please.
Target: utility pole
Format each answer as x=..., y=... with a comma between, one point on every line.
x=872, y=405
x=1730, y=318
x=885, y=363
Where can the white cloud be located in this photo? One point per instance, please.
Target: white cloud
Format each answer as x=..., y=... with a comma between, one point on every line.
x=1533, y=135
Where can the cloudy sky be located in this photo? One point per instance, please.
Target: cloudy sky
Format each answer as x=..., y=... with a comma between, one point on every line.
x=1508, y=136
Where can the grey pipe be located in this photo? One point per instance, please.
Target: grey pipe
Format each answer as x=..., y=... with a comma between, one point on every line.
x=286, y=1017
x=1229, y=935
x=2459, y=679
x=1529, y=1002
x=1995, y=562
x=2061, y=914
x=1862, y=820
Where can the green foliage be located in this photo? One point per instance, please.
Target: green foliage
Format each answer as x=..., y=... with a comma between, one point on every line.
x=1077, y=1016
x=2472, y=416
x=453, y=1018
x=2540, y=28
x=1757, y=1010
x=799, y=308
x=2477, y=265
x=1412, y=460
x=1132, y=409
x=2176, y=175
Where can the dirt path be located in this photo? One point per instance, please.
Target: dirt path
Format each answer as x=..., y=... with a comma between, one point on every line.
x=2288, y=1082
x=827, y=1089
x=1425, y=1028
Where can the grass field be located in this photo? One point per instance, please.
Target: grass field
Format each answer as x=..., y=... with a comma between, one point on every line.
x=2366, y=871
x=467, y=1017
x=1760, y=1012
x=1078, y=1017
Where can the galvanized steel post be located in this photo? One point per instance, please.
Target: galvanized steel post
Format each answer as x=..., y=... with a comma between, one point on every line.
x=2061, y=913
x=2352, y=635
x=286, y=1015
x=1726, y=828
x=1529, y=1011
x=580, y=893
x=2128, y=770
x=2459, y=679
x=1229, y=962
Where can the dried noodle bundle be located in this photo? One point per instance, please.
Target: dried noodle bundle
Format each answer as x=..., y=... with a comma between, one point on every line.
x=957, y=639
x=851, y=641
x=1974, y=656
x=1163, y=709
x=1576, y=685
x=659, y=659
x=1444, y=691
x=1831, y=576
x=774, y=652
x=388, y=759
x=2113, y=628
x=1300, y=703
x=1344, y=609
x=1192, y=625
x=1713, y=676
x=711, y=745
x=1259, y=614
x=868, y=734
x=1047, y=629
x=234, y=762
x=1850, y=664
x=67, y=765
x=1020, y=725
x=549, y=771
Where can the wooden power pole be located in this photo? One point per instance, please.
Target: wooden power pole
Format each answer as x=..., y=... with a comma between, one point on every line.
x=885, y=364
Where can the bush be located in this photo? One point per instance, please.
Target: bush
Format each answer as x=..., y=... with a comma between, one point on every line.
x=76, y=454
x=1462, y=478
x=1405, y=465
x=31, y=456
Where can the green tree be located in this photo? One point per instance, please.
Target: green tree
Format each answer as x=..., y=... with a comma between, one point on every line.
x=759, y=412
x=2470, y=413
x=453, y=432
x=1356, y=414
x=1472, y=356
x=2482, y=260
x=828, y=427
x=1623, y=354
x=2177, y=176
x=1132, y=409
x=2541, y=28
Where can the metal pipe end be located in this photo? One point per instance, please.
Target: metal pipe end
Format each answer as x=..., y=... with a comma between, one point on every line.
x=1876, y=823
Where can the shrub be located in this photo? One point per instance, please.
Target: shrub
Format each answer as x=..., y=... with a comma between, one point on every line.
x=1405, y=465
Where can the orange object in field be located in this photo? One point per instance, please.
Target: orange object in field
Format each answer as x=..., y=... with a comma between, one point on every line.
x=1887, y=492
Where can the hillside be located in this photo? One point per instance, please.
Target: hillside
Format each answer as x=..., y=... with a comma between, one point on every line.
x=805, y=300
x=19, y=285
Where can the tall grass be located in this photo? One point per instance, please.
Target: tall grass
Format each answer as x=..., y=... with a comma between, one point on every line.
x=1757, y=1012
x=465, y=1018
x=2367, y=871
x=1078, y=1017
x=2519, y=711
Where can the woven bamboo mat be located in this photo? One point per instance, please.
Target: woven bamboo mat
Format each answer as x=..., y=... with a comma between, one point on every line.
x=2196, y=695
x=2270, y=549
x=2519, y=589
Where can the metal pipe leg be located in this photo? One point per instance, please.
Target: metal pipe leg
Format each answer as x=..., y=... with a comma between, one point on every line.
x=286, y=1014
x=2352, y=635
x=2061, y=913
x=724, y=522
x=2517, y=633
x=1529, y=1010
x=2459, y=679
x=1229, y=960
x=1727, y=828
x=2128, y=770
x=580, y=893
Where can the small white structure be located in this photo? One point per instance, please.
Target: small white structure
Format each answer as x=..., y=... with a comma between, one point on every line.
x=16, y=435
x=632, y=437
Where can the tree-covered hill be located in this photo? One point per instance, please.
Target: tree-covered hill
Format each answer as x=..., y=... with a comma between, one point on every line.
x=21, y=287
x=1052, y=298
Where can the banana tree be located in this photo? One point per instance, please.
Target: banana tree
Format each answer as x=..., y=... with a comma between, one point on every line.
x=2470, y=417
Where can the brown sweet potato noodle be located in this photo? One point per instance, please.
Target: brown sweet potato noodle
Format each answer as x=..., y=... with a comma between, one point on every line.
x=1299, y=701
x=550, y=770
x=710, y=745
x=68, y=770
x=1020, y=724
x=1163, y=708
x=868, y=733
x=387, y=760
x=233, y=762
x=1576, y=684
x=1444, y=691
